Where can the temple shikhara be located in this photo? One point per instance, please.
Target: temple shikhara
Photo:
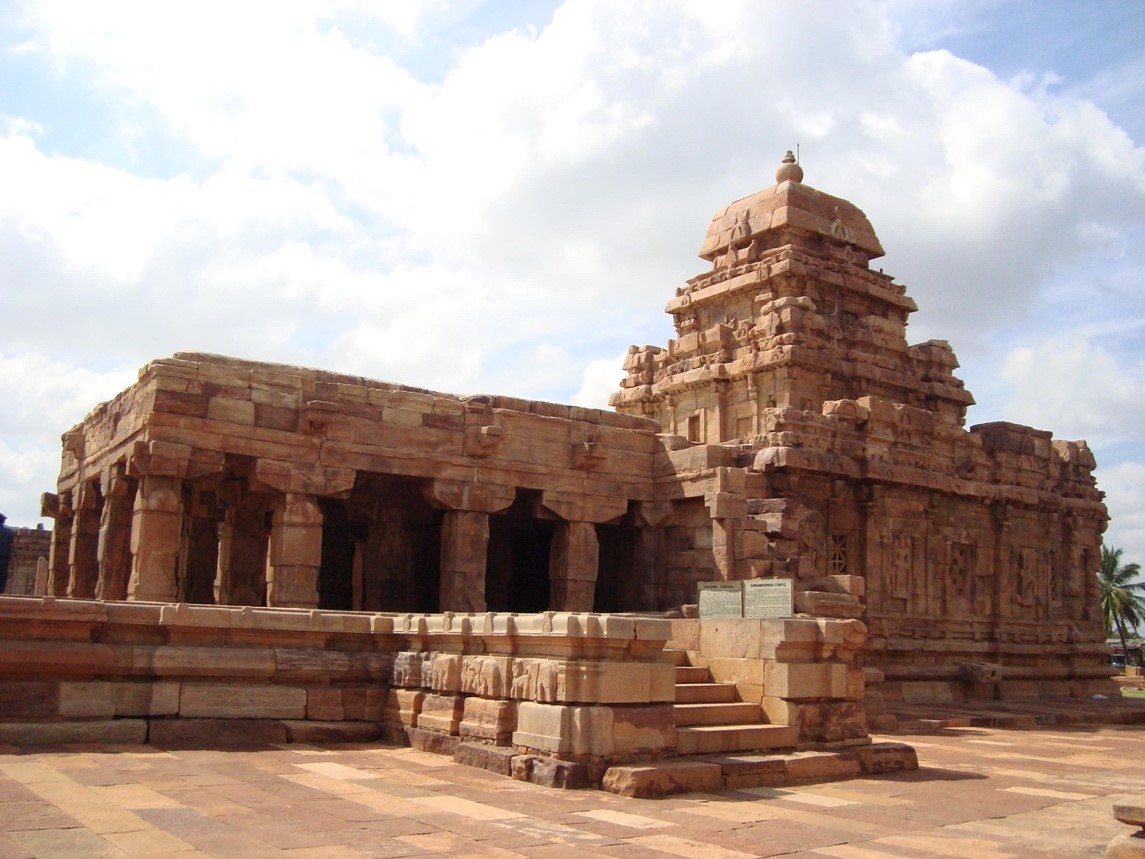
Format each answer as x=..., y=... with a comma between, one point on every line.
x=788, y=431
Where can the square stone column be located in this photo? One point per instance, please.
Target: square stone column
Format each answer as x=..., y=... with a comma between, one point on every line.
x=83, y=553
x=464, y=547
x=465, y=537
x=114, y=549
x=574, y=558
x=295, y=555
x=241, y=575
x=58, y=507
x=156, y=539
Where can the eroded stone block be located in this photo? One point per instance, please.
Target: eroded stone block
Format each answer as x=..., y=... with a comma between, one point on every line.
x=240, y=701
x=441, y=713
x=488, y=719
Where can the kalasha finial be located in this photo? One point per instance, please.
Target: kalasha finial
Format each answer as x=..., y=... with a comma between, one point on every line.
x=789, y=169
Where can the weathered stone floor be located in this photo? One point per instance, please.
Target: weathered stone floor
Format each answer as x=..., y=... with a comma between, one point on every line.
x=980, y=792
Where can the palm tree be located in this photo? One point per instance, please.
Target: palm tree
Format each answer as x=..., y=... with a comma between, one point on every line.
x=1122, y=602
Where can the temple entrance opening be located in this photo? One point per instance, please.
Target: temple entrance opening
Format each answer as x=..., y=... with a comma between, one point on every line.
x=517, y=567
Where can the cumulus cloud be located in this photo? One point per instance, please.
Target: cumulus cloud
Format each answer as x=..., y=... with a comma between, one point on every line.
x=1124, y=486
x=1078, y=387
x=514, y=222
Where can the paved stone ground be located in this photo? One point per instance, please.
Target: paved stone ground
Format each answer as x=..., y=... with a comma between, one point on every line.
x=980, y=794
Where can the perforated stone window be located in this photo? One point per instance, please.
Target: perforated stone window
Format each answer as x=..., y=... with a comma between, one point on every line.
x=840, y=554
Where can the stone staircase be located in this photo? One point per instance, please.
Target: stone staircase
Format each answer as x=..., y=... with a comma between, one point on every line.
x=712, y=719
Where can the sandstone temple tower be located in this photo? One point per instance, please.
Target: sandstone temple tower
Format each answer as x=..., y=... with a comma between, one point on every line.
x=858, y=476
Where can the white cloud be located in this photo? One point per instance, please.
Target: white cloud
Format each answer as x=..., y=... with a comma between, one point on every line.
x=601, y=379
x=501, y=227
x=1077, y=388
x=1124, y=486
x=43, y=398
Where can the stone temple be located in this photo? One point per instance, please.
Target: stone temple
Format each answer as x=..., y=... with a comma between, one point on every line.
x=788, y=431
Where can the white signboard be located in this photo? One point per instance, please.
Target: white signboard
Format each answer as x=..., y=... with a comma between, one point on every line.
x=767, y=598
x=721, y=599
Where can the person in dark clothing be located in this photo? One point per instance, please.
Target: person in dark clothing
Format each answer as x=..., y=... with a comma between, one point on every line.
x=6, y=536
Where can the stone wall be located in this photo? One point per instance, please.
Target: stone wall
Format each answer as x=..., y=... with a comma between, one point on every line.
x=30, y=550
x=586, y=689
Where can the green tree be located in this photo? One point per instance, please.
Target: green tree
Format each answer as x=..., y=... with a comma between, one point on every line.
x=1122, y=603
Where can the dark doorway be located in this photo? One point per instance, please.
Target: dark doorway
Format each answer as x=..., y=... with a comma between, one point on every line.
x=336, y=575
x=619, y=584
x=517, y=565
x=201, y=559
x=381, y=547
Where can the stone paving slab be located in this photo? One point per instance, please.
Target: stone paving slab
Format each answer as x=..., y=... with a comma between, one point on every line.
x=980, y=793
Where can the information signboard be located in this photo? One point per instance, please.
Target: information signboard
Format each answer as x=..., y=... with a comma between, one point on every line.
x=721, y=599
x=767, y=598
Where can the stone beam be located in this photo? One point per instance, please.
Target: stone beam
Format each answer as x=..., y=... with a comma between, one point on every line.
x=271, y=474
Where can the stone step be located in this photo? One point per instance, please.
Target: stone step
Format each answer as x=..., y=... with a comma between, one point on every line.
x=688, y=674
x=714, y=739
x=678, y=658
x=706, y=693
x=723, y=713
x=736, y=772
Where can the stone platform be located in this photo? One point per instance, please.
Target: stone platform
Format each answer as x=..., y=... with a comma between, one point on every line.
x=923, y=718
x=978, y=793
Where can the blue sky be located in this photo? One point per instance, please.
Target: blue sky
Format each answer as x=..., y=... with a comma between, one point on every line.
x=501, y=197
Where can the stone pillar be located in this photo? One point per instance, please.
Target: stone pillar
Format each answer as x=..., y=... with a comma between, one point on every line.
x=465, y=538
x=574, y=555
x=574, y=558
x=156, y=539
x=241, y=575
x=83, y=553
x=58, y=507
x=464, y=548
x=114, y=550
x=295, y=552
x=157, y=519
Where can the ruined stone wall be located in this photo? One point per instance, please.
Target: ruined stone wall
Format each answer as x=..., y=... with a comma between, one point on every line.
x=29, y=546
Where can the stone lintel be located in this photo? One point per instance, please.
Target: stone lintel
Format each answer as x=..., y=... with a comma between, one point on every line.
x=270, y=474
x=583, y=508
x=471, y=496
x=159, y=459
